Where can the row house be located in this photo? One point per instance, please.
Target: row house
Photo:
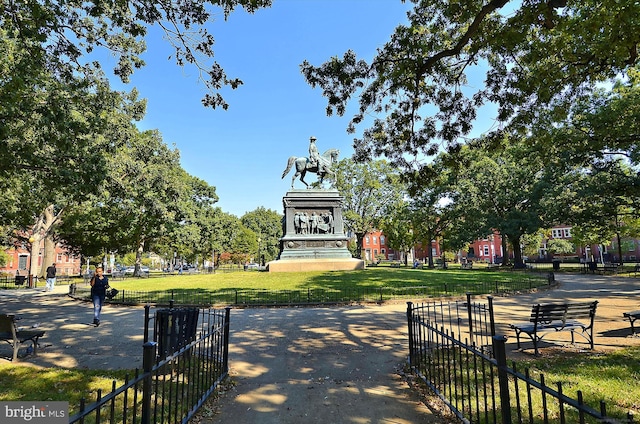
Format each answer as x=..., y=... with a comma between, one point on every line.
x=490, y=249
x=19, y=261
x=374, y=247
x=594, y=253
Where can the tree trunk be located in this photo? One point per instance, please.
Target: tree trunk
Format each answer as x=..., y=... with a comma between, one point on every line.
x=139, y=252
x=359, y=244
x=430, y=255
x=619, y=249
x=517, y=252
x=505, y=250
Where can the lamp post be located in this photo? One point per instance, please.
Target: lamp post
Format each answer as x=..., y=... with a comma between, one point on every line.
x=491, y=249
x=258, y=258
x=30, y=277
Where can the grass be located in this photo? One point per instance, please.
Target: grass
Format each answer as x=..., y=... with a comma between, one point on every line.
x=612, y=377
x=370, y=285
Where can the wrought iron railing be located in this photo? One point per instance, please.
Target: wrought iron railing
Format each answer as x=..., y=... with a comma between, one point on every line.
x=169, y=390
x=477, y=385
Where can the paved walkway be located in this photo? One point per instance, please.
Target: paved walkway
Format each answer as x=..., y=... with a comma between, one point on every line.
x=291, y=364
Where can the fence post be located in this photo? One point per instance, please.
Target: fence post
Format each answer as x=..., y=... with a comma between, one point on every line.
x=148, y=360
x=470, y=317
x=500, y=352
x=146, y=322
x=225, y=348
x=492, y=322
x=410, y=330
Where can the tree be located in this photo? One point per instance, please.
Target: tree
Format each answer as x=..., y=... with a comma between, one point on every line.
x=506, y=190
x=370, y=191
x=605, y=203
x=536, y=55
x=60, y=35
x=560, y=246
x=145, y=197
x=267, y=225
x=56, y=106
x=397, y=226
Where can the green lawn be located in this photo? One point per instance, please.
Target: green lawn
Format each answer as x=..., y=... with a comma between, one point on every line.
x=369, y=285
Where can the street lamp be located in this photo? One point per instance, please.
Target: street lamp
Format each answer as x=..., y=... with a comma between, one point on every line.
x=491, y=249
x=30, y=278
x=258, y=259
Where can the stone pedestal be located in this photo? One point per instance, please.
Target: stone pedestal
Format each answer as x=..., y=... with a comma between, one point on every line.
x=314, y=237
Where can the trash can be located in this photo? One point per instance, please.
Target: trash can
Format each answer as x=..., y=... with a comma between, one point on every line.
x=556, y=265
x=593, y=266
x=175, y=328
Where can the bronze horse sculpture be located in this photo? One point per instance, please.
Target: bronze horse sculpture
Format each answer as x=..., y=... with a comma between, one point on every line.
x=303, y=165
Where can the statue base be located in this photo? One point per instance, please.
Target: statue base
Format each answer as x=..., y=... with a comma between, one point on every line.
x=302, y=265
x=314, y=237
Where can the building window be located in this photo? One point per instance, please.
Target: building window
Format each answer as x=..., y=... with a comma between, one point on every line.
x=567, y=232
x=381, y=239
x=555, y=233
x=375, y=253
x=382, y=251
x=366, y=240
x=375, y=239
x=59, y=257
x=486, y=250
x=22, y=262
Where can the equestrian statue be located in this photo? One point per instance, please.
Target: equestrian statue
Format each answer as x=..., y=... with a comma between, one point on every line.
x=315, y=163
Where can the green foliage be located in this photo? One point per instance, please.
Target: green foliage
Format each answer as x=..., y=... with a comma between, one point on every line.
x=561, y=247
x=535, y=56
x=4, y=258
x=267, y=225
x=371, y=190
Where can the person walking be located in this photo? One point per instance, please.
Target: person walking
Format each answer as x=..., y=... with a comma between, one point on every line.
x=51, y=277
x=99, y=285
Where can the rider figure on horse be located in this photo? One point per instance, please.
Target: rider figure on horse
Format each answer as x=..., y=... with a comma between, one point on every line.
x=314, y=156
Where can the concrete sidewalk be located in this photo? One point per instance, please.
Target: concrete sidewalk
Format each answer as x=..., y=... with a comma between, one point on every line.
x=320, y=365
x=71, y=340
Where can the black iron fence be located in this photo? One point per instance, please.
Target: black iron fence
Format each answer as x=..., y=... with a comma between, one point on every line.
x=173, y=384
x=476, y=384
x=253, y=297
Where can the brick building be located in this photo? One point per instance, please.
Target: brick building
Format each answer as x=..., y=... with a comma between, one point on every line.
x=19, y=260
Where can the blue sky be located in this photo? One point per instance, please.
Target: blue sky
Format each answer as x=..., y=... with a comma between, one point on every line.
x=244, y=150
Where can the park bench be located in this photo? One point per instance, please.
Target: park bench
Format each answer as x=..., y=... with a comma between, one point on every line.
x=609, y=267
x=118, y=275
x=10, y=333
x=466, y=265
x=555, y=317
x=632, y=316
x=635, y=271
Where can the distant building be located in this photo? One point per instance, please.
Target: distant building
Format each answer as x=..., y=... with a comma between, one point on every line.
x=374, y=246
x=490, y=249
x=20, y=260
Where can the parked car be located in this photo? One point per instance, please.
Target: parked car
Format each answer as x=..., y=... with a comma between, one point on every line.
x=130, y=269
x=252, y=266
